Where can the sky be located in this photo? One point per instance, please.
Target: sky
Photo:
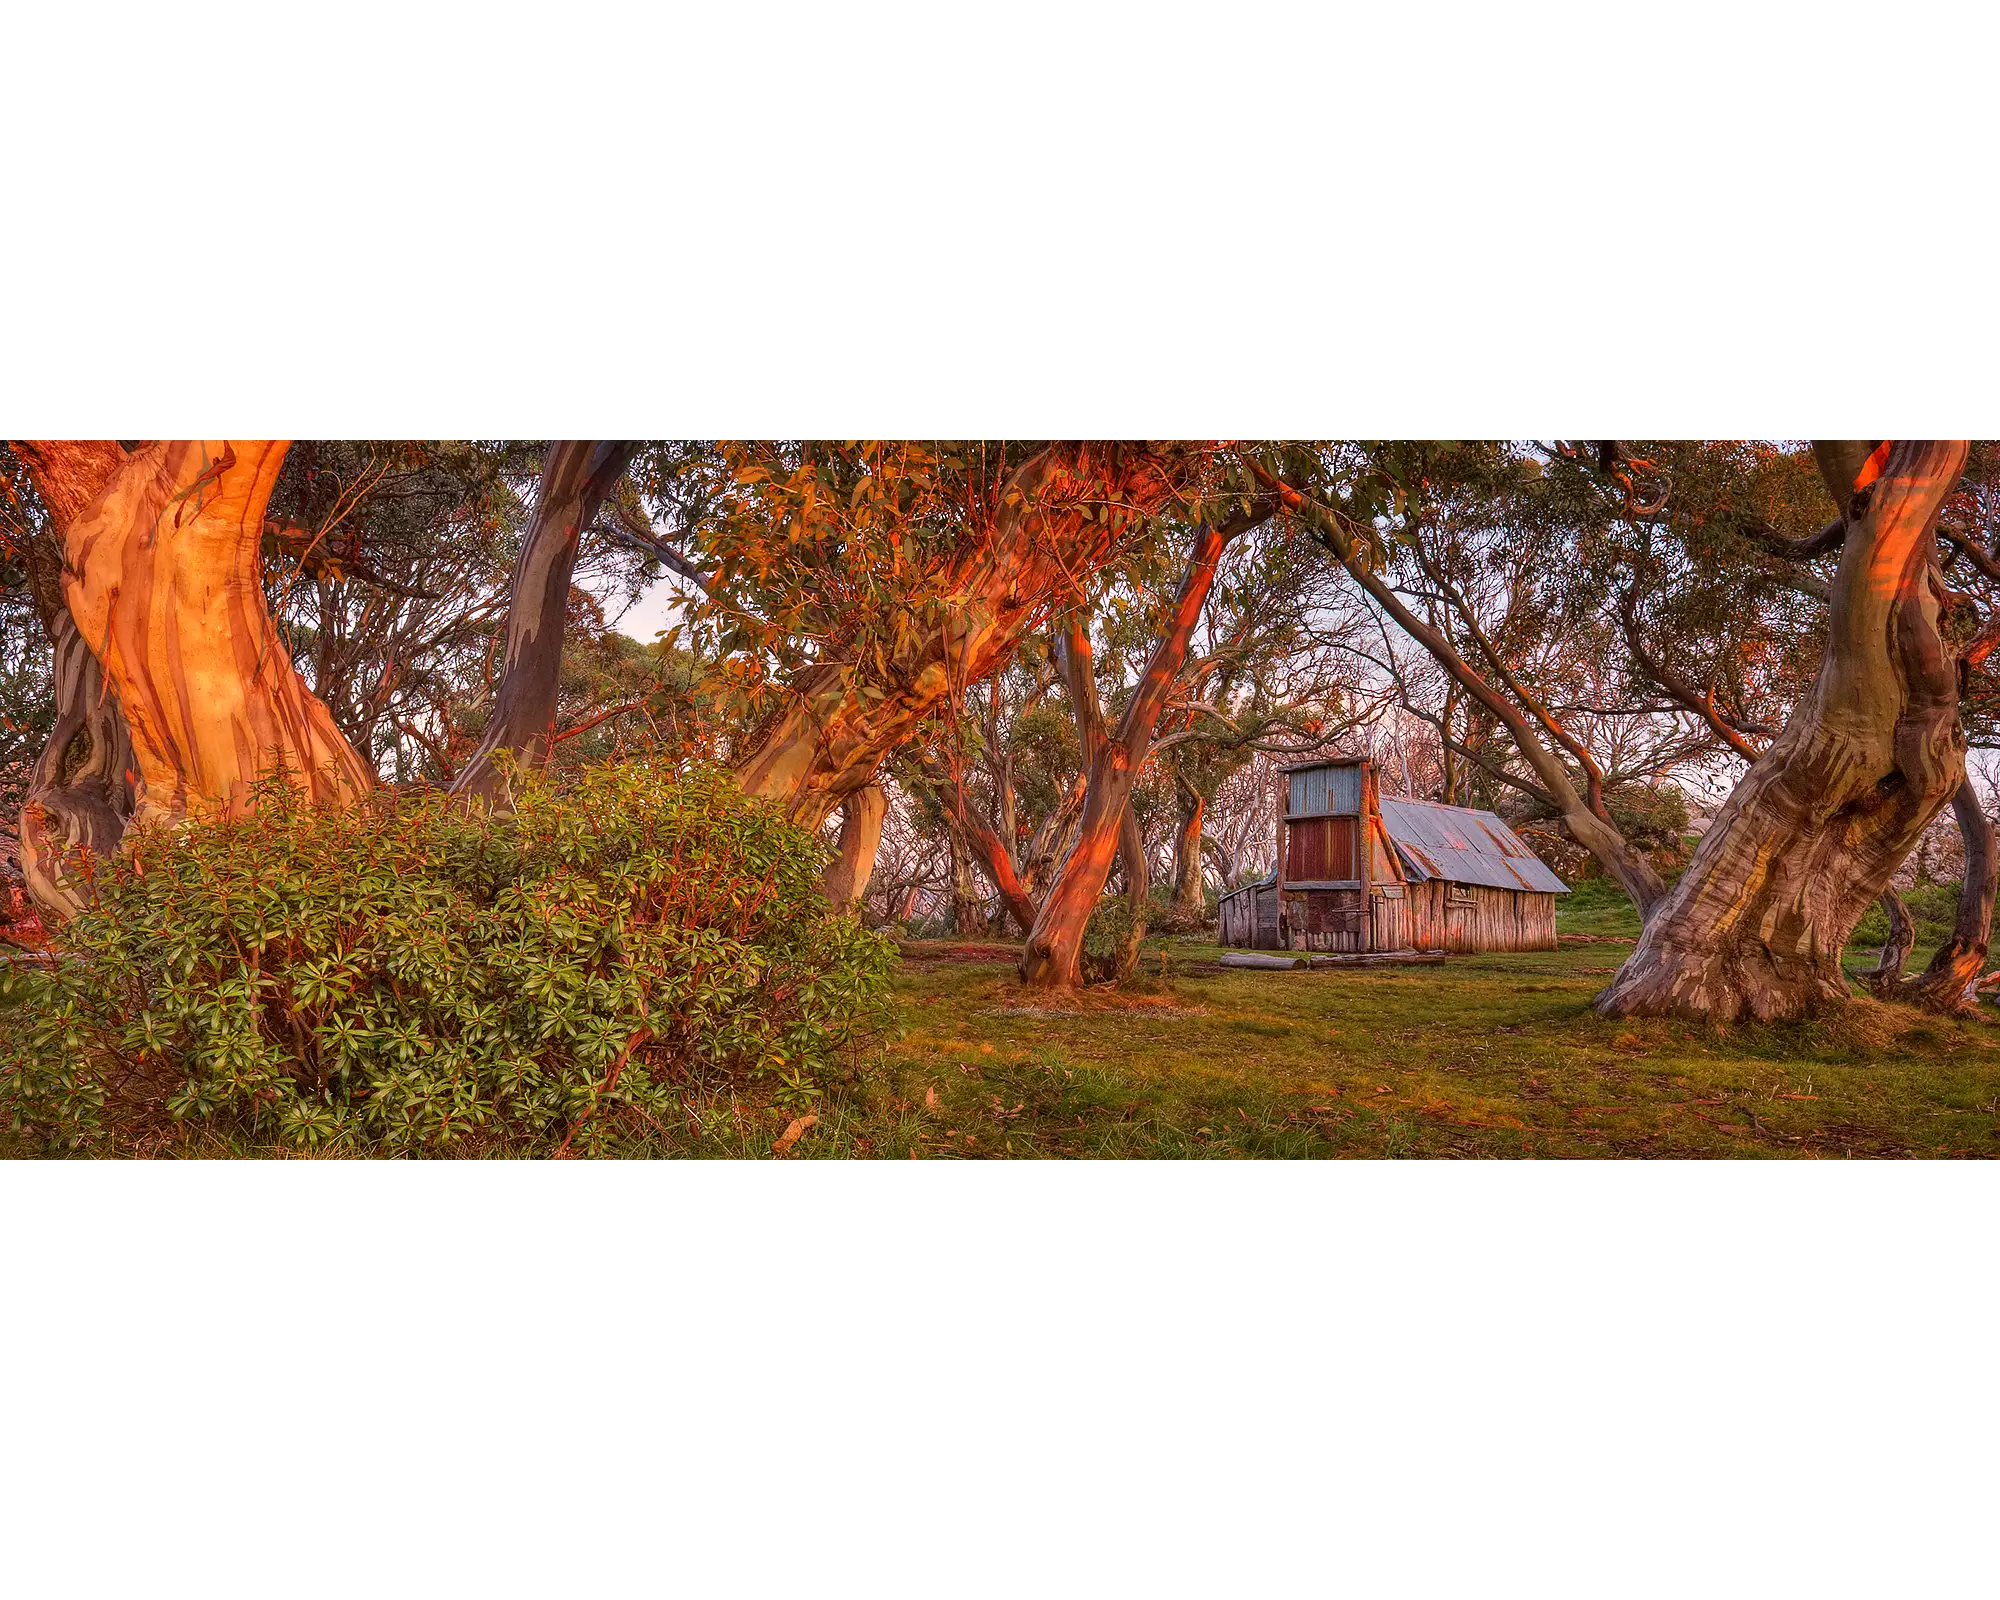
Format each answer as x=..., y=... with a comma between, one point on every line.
x=653, y=612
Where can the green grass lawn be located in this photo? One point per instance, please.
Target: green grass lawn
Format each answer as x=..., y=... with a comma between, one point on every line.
x=1495, y=1055
x=1488, y=1055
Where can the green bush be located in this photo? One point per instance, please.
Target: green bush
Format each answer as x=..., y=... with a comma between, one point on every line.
x=1110, y=942
x=400, y=976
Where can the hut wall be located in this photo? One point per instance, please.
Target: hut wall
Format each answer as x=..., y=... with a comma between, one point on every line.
x=1317, y=791
x=1236, y=915
x=1321, y=848
x=1236, y=918
x=1389, y=917
x=1470, y=916
x=1324, y=919
x=1248, y=918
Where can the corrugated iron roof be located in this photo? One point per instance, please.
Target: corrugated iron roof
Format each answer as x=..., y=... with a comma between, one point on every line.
x=1460, y=845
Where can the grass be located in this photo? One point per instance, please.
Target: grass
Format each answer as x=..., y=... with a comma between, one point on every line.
x=1493, y=1055
x=1597, y=906
x=1484, y=1056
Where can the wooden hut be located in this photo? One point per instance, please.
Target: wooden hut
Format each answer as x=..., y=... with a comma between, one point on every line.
x=1358, y=873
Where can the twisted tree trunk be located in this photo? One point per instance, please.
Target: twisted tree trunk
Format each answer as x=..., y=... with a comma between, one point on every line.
x=576, y=476
x=80, y=787
x=1062, y=512
x=163, y=578
x=1818, y=825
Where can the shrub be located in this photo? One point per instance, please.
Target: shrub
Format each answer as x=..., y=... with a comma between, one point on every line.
x=400, y=976
x=1110, y=942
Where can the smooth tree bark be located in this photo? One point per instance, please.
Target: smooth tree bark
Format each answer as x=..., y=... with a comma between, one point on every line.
x=1815, y=829
x=861, y=816
x=163, y=578
x=966, y=919
x=1063, y=511
x=576, y=476
x=1112, y=764
x=1190, y=904
x=80, y=788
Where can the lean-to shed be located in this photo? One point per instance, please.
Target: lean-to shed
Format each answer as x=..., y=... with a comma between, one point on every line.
x=1359, y=873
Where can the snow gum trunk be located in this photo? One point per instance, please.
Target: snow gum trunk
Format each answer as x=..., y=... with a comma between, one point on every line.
x=1816, y=828
x=163, y=578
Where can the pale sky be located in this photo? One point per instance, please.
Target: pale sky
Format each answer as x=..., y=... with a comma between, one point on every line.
x=653, y=612
x=650, y=615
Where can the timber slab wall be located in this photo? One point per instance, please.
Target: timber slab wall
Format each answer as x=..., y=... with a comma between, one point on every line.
x=1470, y=916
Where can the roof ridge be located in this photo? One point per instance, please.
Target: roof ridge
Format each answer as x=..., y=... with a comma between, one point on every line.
x=1440, y=805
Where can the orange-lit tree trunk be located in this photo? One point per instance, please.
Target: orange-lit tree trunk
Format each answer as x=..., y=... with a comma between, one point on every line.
x=1815, y=829
x=861, y=815
x=80, y=788
x=1055, y=947
x=1063, y=511
x=163, y=578
x=576, y=476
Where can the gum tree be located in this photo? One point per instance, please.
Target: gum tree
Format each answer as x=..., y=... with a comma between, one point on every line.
x=161, y=581
x=1113, y=758
x=1868, y=758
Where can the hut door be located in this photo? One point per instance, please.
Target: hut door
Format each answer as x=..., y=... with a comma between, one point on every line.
x=1388, y=918
x=1461, y=917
